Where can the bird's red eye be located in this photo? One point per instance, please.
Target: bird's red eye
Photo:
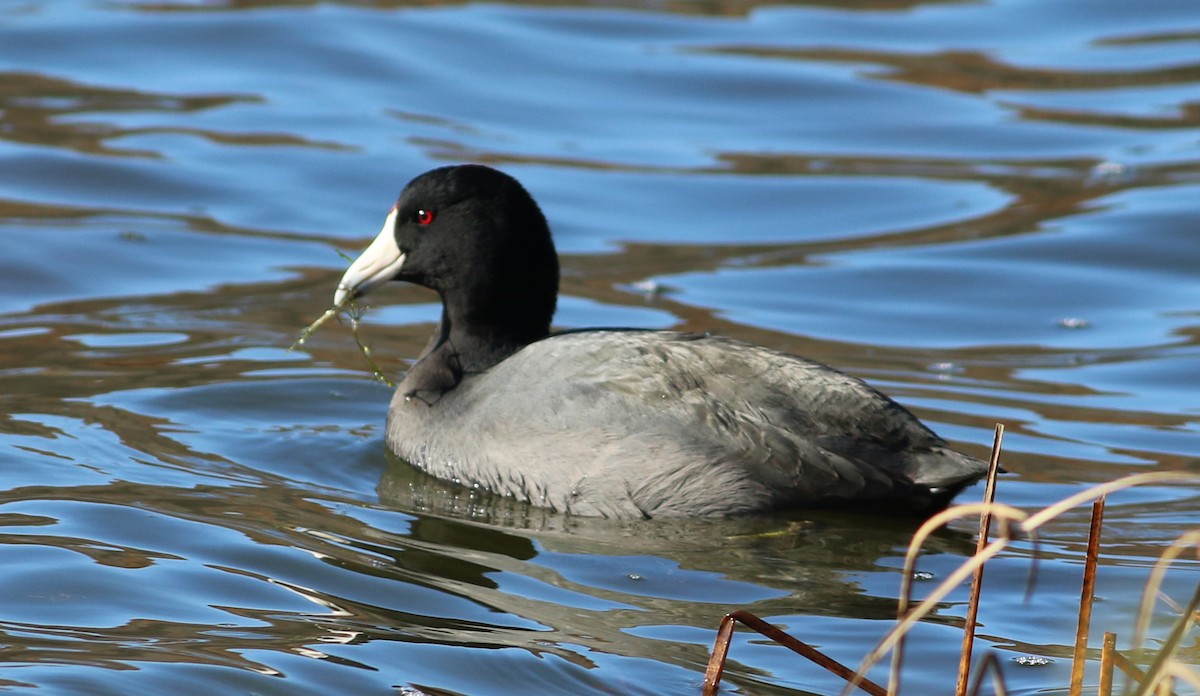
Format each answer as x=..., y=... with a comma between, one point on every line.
x=424, y=216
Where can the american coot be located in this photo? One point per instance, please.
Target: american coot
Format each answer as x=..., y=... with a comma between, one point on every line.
x=617, y=422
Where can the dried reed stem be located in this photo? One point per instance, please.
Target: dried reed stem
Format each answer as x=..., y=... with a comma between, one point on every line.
x=1126, y=665
x=716, y=664
x=985, y=528
x=1106, y=663
x=1087, y=594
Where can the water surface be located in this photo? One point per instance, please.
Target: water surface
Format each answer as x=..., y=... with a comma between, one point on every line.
x=989, y=210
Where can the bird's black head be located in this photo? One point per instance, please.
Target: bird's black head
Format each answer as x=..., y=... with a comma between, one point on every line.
x=477, y=237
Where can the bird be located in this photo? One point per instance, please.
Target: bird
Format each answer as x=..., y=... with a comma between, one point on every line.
x=618, y=422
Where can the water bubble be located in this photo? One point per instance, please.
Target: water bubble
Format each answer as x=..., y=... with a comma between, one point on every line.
x=1032, y=661
x=650, y=290
x=946, y=370
x=1109, y=172
x=647, y=287
x=1074, y=323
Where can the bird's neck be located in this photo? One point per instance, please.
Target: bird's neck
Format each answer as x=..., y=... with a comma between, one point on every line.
x=468, y=342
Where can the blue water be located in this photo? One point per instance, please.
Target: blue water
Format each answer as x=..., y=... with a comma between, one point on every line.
x=988, y=210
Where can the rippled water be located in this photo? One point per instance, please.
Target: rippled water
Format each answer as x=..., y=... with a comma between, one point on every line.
x=990, y=210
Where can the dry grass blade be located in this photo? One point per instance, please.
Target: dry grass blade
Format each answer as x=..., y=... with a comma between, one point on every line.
x=1175, y=606
x=985, y=530
x=1184, y=673
x=1005, y=513
x=1085, y=496
x=1190, y=540
x=1158, y=671
x=1006, y=516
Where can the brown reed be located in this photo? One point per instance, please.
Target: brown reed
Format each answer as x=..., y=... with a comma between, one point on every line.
x=1165, y=669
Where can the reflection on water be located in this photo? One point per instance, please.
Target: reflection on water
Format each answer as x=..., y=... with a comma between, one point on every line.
x=985, y=209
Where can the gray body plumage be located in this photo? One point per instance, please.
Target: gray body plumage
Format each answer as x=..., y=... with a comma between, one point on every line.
x=642, y=423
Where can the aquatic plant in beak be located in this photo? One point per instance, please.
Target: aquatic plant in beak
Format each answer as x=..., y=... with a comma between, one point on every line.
x=344, y=303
